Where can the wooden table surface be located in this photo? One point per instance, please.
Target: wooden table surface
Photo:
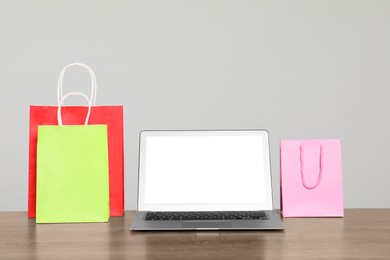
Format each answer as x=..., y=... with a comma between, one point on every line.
x=361, y=234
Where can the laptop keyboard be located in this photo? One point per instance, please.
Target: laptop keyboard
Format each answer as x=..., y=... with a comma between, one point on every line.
x=206, y=215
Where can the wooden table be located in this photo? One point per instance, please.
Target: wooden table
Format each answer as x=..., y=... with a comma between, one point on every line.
x=362, y=234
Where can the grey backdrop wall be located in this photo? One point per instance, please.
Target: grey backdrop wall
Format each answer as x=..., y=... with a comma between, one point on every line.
x=301, y=69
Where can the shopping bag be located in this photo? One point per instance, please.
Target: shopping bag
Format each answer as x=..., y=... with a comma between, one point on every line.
x=311, y=178
x=72, y=172
x=112, y=116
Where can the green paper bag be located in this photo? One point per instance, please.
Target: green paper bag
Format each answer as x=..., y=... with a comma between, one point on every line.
x=72, y=172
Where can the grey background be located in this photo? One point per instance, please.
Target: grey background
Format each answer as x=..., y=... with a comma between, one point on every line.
x=301, y=69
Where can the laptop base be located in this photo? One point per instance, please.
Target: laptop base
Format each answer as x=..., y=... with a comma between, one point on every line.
x=273, y=223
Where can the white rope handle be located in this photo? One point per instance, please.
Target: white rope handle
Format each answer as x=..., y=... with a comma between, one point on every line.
x=59, y=116
x=93, y=82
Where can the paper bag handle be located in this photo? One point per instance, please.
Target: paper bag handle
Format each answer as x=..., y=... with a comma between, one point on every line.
x=59, y=116
x=93, y=82
x=302, y=166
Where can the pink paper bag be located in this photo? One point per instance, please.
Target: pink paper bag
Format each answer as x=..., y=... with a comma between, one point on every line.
x=311, y=178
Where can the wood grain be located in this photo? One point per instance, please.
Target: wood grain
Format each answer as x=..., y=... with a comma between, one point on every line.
x=362, y=234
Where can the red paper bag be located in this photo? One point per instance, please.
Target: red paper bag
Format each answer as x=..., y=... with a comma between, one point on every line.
x=112, y=116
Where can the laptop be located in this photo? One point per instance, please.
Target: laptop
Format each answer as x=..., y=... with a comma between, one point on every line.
x=205, y=180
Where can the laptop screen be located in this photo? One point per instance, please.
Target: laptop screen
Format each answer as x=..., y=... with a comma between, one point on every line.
x=204, y=170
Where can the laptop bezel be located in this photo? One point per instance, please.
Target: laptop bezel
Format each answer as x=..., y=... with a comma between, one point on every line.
x=268, y=205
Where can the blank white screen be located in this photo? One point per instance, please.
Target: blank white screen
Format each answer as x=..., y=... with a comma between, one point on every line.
x=204, y=170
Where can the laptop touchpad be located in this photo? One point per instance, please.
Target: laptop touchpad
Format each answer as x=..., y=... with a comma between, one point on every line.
x=205, y=224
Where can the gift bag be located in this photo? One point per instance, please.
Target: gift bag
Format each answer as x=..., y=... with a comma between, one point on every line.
x=311, y=178
x=112, y=116
x=72, y=172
